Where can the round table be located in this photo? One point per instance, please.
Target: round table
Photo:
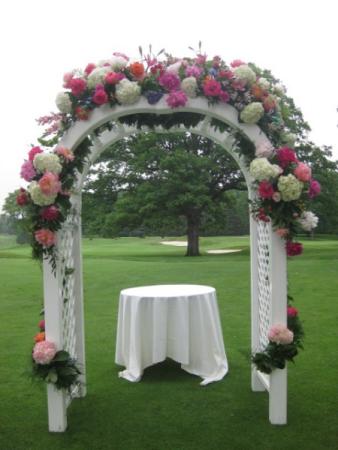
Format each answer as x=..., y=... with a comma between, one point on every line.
x=179, y=321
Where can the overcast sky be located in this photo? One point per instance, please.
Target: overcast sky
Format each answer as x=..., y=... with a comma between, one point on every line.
x=40, y=40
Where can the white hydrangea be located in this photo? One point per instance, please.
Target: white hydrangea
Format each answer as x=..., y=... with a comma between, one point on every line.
x=97, y=76
x=289, y=139
x=63, y=102
x=308, y=220
x=189, y=86
x=245, y=73
x=47, y=162
x=264, y=83
x=261, y=169
x=264, y=149
x=38, y=197
x=289, y=187
x=280, y=89
x=127, y=92
x=118, y=62
x=252, y=112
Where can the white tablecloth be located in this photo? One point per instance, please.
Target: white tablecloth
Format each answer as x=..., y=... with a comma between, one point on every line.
x=176, y=321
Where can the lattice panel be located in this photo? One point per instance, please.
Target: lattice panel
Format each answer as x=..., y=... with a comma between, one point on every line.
x=67, y=288
x=264, y=282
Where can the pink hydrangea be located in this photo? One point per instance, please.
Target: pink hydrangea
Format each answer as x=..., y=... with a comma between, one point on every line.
x=78, y=86
x=302, y=172
x=100, y=95
x=170, y=81
x=286, y=156
x=44, y=352
x=280, y=334
x=212, y=88
x=265, y=189
x=50, y=183
x=45, y=237
x=27, y=171
x=34, y=151
x=176, y=99
x=314, y=189
x=50, y=213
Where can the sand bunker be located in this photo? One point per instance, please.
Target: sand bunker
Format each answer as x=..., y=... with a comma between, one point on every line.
x=175, y=243
x=219, y=252
x=212, y=252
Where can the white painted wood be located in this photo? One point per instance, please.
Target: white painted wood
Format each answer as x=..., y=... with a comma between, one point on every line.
x=278, y=378
x=57, y=418
x=264, y=380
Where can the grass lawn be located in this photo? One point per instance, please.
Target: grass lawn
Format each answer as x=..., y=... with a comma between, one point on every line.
x=168, y=410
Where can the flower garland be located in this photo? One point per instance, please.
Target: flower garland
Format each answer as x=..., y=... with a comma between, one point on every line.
x=283, y=184
x=52, y=366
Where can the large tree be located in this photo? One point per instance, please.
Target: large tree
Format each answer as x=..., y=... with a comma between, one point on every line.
x=164, y=177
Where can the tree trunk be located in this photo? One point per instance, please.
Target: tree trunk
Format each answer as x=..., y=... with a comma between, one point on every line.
x=193, y=235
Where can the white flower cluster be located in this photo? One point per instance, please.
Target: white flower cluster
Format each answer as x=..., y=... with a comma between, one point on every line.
x=252, y=112
x=63, y=102
x=118, y=62
x=244, y=73
x=38, y=197
x=47, y=162
x=261, y=169
x=189, y=86
x=289, y=187
x=127, y=92
x=308, y=220
x=97, y=76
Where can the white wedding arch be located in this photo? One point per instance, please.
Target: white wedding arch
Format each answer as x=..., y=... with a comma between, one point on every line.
x=63, y=287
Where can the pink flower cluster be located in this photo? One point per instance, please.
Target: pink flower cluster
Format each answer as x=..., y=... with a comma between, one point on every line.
x=44, y=352
x=280, y=334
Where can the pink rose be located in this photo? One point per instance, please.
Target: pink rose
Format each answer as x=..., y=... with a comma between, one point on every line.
x=280, y=334
x=265, y=189
x=45, y=237
x=169, y=81
x=100, y=95
x=34, y=151
x=44, y=352
x=27, y=171
x=50, y=183
x=302, y=172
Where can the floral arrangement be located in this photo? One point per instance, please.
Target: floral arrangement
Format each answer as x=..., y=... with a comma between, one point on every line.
x=52, y=366
x=284, y=342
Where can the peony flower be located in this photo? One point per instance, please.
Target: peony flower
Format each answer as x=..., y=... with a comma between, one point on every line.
x=314, y=189
x=265, y=189
x=39, y=337
x=153, y=97
x=289, y=187
x=22, y=197
x=237, y=63
x=97, y=76
x=67, y=78
x=282, y=232
x=252, y=112
x=38, y=197
x=137, y=70
x=50, y=213
x=193, y=71
x=189, y=86
x=63, y=102
x=293, y=248
x=27, y=171
x=176, y=99
x=224, y=96
x=292, y=312
x=280, y=334
x=47, y=162
x=212, y=88
x=127, y=92
x=113, y=77
x=264, y=149
x=44, y=352
x=100, y=96
x=67, y=154
x=169, y=81
x=302, y=172
x=77, y=86
x=245, y=74
x=261, y=169
x=45, y=237
x=49, y=183
x=286, y=156
x=34, y=151
x=89, y=68
x=308, y=220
